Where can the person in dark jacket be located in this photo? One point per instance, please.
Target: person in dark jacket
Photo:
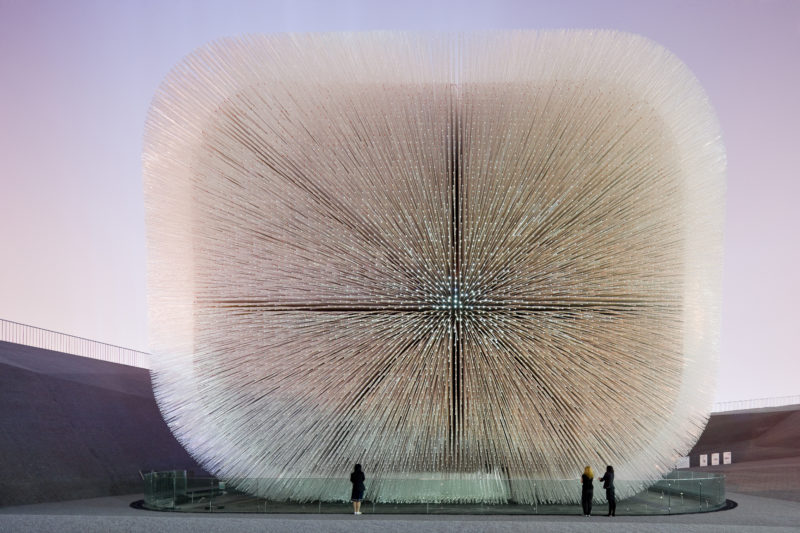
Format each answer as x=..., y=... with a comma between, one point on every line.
x=587, y=490
x=357, y=479
x=608, y=484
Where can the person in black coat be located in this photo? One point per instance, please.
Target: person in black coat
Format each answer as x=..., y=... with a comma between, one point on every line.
x=357, y=479
x=587, y=490
x=608, y=484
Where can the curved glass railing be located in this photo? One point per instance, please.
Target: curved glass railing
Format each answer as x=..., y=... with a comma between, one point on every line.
x=678, y=493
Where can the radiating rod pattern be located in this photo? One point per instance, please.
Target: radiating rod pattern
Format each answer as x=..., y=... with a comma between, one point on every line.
x=482, y=258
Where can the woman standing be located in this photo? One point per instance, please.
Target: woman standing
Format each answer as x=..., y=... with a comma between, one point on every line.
x=357, y=479
x=608, y=484
x=587, y=490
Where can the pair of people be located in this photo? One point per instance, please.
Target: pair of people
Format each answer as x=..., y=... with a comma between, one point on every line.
x=587, y=491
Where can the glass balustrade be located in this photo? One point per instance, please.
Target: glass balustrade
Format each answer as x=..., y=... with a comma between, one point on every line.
x=677, y=493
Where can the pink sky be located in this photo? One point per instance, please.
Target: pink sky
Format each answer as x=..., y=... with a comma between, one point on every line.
x=76, y=79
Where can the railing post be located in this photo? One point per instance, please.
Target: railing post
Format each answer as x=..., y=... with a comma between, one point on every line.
x=700, y=499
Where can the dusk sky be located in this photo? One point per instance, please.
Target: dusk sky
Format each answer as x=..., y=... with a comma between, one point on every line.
x=76, y=80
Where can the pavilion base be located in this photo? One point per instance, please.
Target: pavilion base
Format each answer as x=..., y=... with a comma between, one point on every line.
x=678, y=493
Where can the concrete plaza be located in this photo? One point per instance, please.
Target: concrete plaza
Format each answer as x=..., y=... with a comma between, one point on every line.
x=111, y=514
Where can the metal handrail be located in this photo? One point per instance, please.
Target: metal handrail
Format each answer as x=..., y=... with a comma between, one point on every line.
x=35, y=337
x=758, y=403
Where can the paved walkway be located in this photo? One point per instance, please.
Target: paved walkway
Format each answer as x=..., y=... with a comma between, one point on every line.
x=113, y=514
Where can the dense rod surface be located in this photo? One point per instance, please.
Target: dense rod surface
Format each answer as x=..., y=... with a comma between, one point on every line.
x=479, y=259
